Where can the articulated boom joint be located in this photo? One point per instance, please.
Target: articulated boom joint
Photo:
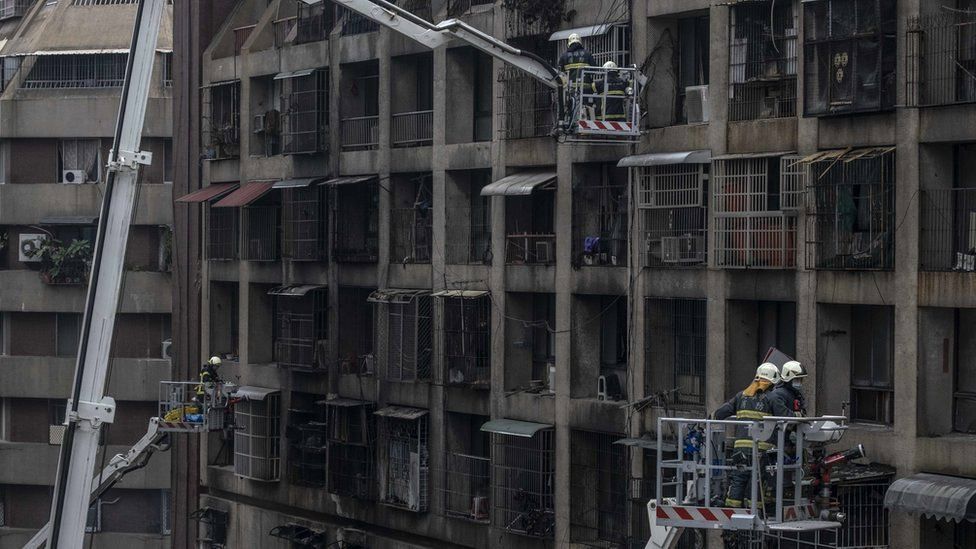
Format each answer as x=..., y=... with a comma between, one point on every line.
x=93, y=413
x=130, y=160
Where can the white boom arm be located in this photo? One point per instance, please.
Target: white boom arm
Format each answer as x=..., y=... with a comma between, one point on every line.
x=88, y=408
x=122, y=464
x=431, y=35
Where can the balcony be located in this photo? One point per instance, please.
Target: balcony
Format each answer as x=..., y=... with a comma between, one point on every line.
x=413, y=129
x=466, y=487
x=941, y=59
x=411, y=235
x=948, y=230
x=283, y=31
x=360, y=133
x=241, y=34
x=530, y=249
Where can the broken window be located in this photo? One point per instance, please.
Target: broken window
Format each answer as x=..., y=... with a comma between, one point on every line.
x=672, y=204
x=214, y=525
x=351, y=440
x=755, y=210
x=606, y=42
x=305, y=112
x=469, y=218
x=762, y=60
x=467, y=337
x=529, y=217
x=852, y=195
x=79, y=155
x=95, y=70
x=222, y=120
x=692, y=62
x=304, y=222
x=257, y=455
x=872, y=364
x=355, y=332
x=355, y=220
x=942, y=56
x=523, y=477
x=405, y=324
x=849, y=56
x=600, y=215
x=467, y=468
x=306, y=433
x=403, y=457
x=599, y=470
x=301, y=326
x=675, y=349
x=411, y=219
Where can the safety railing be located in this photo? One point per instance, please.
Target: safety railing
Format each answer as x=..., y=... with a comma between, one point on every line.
x=283, y=29
x=241, y=34
x=941, y=59
x=261, y=233
x=360, y=133
x=536, y=249
x=467, y=485
x=413, y=129
x=603, y=102
x=193, y=406
x=948, y=236
x=411, y=236
x=755, y=240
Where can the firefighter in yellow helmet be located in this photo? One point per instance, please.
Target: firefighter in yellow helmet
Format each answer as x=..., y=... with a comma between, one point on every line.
x=752, y=403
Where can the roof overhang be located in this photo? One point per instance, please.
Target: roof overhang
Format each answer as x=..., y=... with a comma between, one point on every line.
x=939, y=496
x=513, y=427
x=401, y=412
x=293, y=74
x=254, y=393
x=846, y=155
x=295, y=290
x=664, y=159
x=521, y=184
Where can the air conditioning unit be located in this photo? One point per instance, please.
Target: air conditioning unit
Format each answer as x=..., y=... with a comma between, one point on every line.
x=683, y=249
x=30, y=243
x=74, y=177
x=543, y=252
x=696, y=104
x=257, y=124
x=167, y=351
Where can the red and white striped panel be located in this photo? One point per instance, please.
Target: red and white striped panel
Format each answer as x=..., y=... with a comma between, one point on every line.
x=606, y=126
x=799, y=512
x=676, y=515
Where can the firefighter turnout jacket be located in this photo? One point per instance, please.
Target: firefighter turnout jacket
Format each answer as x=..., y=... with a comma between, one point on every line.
x=575, y=58
x=753, y=407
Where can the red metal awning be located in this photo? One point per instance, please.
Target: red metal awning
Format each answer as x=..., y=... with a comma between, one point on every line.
x=209, y=193
x=247, y=194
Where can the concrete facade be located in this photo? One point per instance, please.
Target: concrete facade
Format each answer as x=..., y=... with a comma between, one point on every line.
x=677, y=335
x=58, y=110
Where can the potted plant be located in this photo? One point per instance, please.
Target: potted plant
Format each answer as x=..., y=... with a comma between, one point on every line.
x=64, y=264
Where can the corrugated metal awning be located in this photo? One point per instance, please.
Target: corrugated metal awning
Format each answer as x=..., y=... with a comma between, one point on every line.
x=208, y=193
x=664, y=159
x=401, y=412
x=248, y=194
x=69, y=220
x=939, y=496
x=740, y=156
x=295, y=183
x=395, y=295
x=295, y=290
x=351, y=179
x=254, y=393
x=521, y=183
x=460, y=293
x=293, y=74
x=592, y=30
x=647, y=442
x=342, y=402
x=513, y=427
x=846, y=155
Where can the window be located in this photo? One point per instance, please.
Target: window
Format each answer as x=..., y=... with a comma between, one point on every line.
x=523, y=475
x=483, y=97
x=467, y=338
x=405, y=321
x=222, y=120
x=468, y=218
x=257, y=455
x=948, y=534
x=355, y=221
x=223, y=233
x=15, y=8
x=215, y=525
x=98, y=70
x=68, y=334
x=675, y=352
x=530, y=227
x=964, y=392
x=600, y=217
x=613, y=44
x=314, y=23
x=168, y=160
x=872, y=369
x=672, y=204
x=942, y=56
x=692, y=60
x=305, y=225
x=529, y=106
x=305, y=113
x=599, y=470
x=351, y=441
x=167, y=71
x=411, y=219
x=355, y=332
x=413, y=100
x=467, y=468
x=849, y=56
x=301, y=326
x=307, y=441
x=80, y=154
x=404, y=457
x=947, y=241
x=762, y=60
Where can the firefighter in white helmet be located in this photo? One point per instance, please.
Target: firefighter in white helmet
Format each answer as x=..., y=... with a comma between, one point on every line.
x=614, y=91
x=789, y=391
x=752, y=403
x=571, y=63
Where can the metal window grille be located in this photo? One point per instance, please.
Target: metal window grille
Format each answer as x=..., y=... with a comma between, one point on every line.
x=354, y=23
x=613, y=45
x=413, y=129
x=456, y=8
x=531, y=249
x=360, y=133
x=471, y=229
x=314, y=22
x=241, y=34
x=15, y=8
x=302, y=323
x=411, y=228
x=600, y=223
x=517, y=25
x=355, y=337
x=407, y=323
x=261, y=233
x=167, y=69
x=751, y=228
x=257, y=454
x=672, y=208
x=866, y=526
x=529, y=237
x=404, y=462
x=215, y=526
x=675, y=345
x=849, y=56
x=523, y=483
x=467, y=340
x=467, y=482
x=307, y=447
x=304, y=223
x=762, y=60
x=223, y=231
x=355, y=223
x=420, y=8
x=97, y=70
x=599, y=471
x=941, y=59
x=851, y=211
x=529, y=108
x=221, y=127
x=351, y=441
x=305, y=113
x=948, y=236
x=690, y=62
x=872, y=364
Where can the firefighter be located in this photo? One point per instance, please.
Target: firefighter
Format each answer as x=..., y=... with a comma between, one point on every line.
x=571, y=62
x=752, y=403
x=615, y=91
x=208, y=375
x=789, y=391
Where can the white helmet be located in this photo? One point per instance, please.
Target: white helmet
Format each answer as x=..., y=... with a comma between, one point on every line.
x=214, y=361
x=768, y=371
x=792, y=370
x=609, y=65
x=574, y=39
